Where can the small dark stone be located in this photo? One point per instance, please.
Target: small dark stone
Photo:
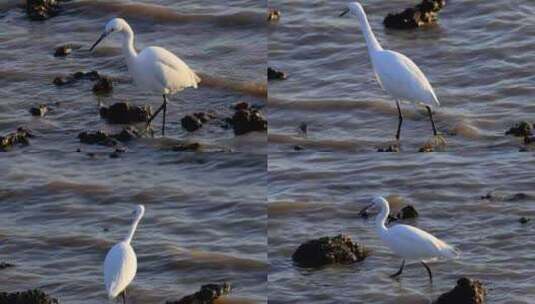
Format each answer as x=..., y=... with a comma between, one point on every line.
x=465, y=292
x=187, y=147
x=426, y=148
x=329, y=250
x=273, y=14
x=59, y=81
x=518, y=197
x=103, y=86
x=245, y=121
x=20, y=137
x=35, y=296
x=303, y=127
x=191, y=123
x=524, y=220
x=521, y=129
x=98, y=137
x=298, y=148
x=41, y=9
x=240, y=106
x=273, y=74
x=422, y=14
x=391, y=148
x=40, y=110
x=124, y=113
x=63, y=51
x=4, y=265
x=204, y=116
x=407, y=212
x=206, y=295
x=78, y=150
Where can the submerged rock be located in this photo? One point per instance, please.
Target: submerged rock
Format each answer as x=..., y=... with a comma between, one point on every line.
x=4, y=265
x=391, y=148
x=40, y=110
x=183, y=147
x=273, y=14
x=273, y=74
x=498, y=196
x=110, y=140
x=524, y=220
x=466, y=292
x=124, y=113
x=206, y=295
x=20, y=137
x=103, y=86
x=62, y=51
x=521, y=129
x=329, y=250
x=35, y=296
x=247, y=119
x=422, y=14
x=41, y=9
x=191, y=123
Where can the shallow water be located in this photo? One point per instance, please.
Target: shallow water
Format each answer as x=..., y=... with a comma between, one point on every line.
x=61, y=214
x=478, y=58
x=321, y=194
x=225, y=43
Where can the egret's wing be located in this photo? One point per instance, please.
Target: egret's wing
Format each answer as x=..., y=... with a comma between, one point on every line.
x=418, y=243
x=169, y=70
x=120, y=268
x=401, y=77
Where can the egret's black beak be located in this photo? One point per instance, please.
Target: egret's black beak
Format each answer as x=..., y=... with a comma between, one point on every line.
x=98, y=41
x=344, y=12
x=364, y=211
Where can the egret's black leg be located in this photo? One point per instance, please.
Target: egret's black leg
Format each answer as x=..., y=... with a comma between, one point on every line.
x=400, y=120
x=432, y=121
x=428, y=271
x=124, y=296
x=399, y=271
x=164, y=113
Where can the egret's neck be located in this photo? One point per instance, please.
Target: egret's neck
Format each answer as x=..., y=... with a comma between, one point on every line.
x=128, y=44
x=133, y=229
x=371, y=41
x=381, y=219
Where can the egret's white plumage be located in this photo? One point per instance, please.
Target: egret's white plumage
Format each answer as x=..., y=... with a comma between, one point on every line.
x=409, y=242
x=155, y=68
x=397, y=74
x=120, y=265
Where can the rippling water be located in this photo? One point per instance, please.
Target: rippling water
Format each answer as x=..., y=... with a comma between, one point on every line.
x=313, y=195
x=478, y=58
x=60, y=214
x=224, y=42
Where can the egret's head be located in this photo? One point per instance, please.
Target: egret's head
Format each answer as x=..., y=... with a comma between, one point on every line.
x=378, y=202
x=113, y=26
x=354, y=8
x=139, y=211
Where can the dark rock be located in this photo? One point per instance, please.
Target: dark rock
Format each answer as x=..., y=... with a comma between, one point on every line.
x=93, y=76
x=422, y=14
x=191, y=123
x=391, y=148
x=497, y=196
x=298, y=148
x=427, y=148
x=524, y=220
x=4, y=265
x=41, y=9
x=124, y=113
x=240, y=106
x=20, y=137
x=187, y=147
x=303, y=127
x=407, y=212
x=103, y=86
x=40, y=110
x=329, y=250
x=273, y=74
x=126, y=134
x=35, y=296
x=62, y=51
x=521, y=129
x=466, y=292
x=206, y=295
x=59, y=81
x=98, y=137
x=273, y=14
x=249, y=120
x=204, y=116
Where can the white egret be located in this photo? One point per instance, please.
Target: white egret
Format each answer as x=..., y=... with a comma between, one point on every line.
x=409, y=242
x=154, y=69
x=397, y=74
x=120, y=265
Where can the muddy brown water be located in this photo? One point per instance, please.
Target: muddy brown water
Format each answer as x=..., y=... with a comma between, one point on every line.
x=314, y=195
x=478, y=58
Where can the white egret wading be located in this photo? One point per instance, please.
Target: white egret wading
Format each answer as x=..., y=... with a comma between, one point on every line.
x=154, y=69
x=398, y=75
x=120, y=265
x=409, y=242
